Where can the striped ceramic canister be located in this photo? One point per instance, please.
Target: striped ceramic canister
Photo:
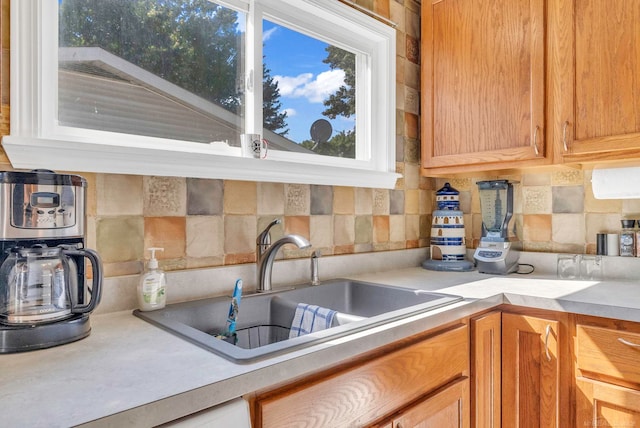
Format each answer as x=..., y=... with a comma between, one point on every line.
x=447, y=227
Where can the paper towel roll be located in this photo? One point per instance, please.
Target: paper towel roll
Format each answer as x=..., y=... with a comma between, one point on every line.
x=616, y=183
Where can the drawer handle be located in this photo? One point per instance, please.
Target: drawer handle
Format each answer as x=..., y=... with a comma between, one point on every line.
x=546, y=341
x=626, y=342
x=564, y=135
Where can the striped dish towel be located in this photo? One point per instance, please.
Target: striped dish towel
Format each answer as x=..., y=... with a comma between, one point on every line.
x=310, y=318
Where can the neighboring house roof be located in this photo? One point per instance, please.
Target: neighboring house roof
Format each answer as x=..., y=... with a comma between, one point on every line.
x=99, y=90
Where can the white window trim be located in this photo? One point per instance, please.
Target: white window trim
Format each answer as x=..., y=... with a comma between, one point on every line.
x=36, y=141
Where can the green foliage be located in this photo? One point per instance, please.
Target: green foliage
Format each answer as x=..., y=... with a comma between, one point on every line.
x=343, y=145
x=195, y=44
x=343, y=101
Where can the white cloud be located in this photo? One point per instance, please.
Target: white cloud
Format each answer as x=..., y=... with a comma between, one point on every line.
x=266, y=35
x=290, y=112
x=305, y=86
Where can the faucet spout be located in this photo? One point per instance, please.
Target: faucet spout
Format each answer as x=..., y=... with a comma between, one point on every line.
x=268, y=256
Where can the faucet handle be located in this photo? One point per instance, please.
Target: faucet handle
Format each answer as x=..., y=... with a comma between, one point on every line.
x=264, y=238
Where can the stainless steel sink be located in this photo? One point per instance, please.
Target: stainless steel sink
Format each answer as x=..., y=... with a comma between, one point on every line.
x=264, y=319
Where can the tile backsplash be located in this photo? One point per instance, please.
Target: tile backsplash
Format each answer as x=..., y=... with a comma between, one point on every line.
x=206, y=223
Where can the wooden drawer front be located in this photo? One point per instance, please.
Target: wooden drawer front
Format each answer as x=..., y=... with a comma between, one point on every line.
x=372, y=390
x=600, y=350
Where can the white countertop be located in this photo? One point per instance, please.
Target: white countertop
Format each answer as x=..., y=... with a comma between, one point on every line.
x=130, y=373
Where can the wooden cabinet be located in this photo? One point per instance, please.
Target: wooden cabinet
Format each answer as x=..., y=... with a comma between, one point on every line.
x=486, y=370
x=595, y=74
x=374, y=389
x=608, y=374
x=447, y=408
x=530, y=372
x=483, y=92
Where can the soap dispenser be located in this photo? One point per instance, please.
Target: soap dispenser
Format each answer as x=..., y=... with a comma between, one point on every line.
x=151, y=289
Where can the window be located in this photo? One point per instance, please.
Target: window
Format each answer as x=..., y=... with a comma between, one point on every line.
x=167, y=88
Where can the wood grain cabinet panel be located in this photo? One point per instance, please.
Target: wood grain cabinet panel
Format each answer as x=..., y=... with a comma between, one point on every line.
x=530, y=372
x=448, y=408
x=596, y=85
x=371, y=391
x=486, y=370
x=483, y=92
x=601, y=404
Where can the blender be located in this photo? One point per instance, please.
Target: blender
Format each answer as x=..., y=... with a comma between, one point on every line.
x=498, y=250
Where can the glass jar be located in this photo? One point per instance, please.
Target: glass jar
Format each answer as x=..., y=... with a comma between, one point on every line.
x=628, y=238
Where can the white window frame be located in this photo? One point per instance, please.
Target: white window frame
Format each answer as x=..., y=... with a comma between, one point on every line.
x=37, y=141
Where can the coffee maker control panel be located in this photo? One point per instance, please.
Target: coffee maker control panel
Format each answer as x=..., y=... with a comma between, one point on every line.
x=52, y=208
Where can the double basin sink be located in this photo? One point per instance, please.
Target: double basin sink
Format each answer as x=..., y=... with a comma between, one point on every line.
x=264, y=320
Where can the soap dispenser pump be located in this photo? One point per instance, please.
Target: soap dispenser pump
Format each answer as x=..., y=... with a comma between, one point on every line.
x=151, y=288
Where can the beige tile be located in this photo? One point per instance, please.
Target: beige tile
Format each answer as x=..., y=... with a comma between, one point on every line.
x=567, y=177
x=343, y=200
x=321, y=230
x=120, y=239
x=297, y=199
x=426, y=201
x=119, y=194
x=270, y=198
x=205, y=236
x=536, y=179
x=240, y=197
x=631, y=208
x=381, y=202
x=411, y=99
x=568, y=229
x=411, y=176
x=412, y=78
x=364, y=229
x=536, y=200
x=412, y=227
x=344, y=230
x=601, y=223
x=593, y=205
x=239, y=235
x=397, y=232
x=363, y=201
x=165, y=196
x=412, y=201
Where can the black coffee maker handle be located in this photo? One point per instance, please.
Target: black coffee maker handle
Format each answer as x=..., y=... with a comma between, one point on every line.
x=96, y=287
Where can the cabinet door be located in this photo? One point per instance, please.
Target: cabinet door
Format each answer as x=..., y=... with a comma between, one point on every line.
x=448, y=408
x=597, y=107
x=482, y=84
x=604, y=405
x=486, y=370
x=530, y=372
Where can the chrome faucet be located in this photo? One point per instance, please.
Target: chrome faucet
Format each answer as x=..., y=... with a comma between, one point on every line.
x=266, y=254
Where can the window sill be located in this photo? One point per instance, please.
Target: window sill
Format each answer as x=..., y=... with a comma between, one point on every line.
x=29, y=153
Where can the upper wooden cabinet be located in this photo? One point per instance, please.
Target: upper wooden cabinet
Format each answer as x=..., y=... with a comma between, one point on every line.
x=597, y=71
x=483, y=84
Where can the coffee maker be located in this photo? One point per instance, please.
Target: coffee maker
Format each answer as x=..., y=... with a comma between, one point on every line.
x=45, y=300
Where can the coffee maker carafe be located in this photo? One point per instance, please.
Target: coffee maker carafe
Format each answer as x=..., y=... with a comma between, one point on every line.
x=44, y=298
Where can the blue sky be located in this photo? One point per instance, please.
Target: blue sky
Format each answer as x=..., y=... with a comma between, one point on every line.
x=295, y=61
